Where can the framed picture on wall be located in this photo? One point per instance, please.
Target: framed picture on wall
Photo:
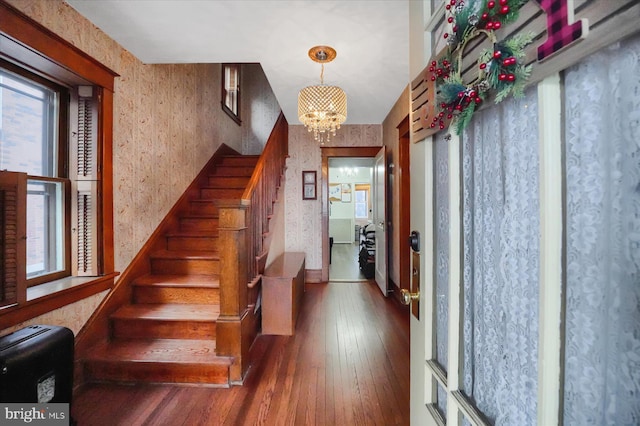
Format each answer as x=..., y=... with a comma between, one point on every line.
x=335, y=192
x=309, y=185
x=346, y=192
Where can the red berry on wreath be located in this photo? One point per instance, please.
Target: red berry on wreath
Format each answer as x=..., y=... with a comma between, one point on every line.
x=453, y=2
x=491, y=4
x=448, y=7
x=497, y=25
x=478, y=100
x=511, y=77
x=504, y=10
x=446, y=35
x=483, y=66
x=485, y=16
x=503, y=2
x=489, y=25
x=450, y=19
x=497, y=54
x=502, y=77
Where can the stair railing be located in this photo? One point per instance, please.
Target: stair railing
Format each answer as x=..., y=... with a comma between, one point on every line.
x=243, y=227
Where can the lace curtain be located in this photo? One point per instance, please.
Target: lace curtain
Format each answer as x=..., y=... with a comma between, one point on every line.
x=602, y=348
x=441, y=162
x=501, y=260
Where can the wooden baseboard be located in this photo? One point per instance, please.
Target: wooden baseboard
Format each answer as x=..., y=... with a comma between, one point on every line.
x=313, y=275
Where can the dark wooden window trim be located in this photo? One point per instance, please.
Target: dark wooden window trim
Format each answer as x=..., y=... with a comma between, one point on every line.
x=31, y=46
x=235, y=116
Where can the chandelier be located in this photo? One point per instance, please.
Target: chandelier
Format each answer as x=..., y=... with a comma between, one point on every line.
x=321, y=108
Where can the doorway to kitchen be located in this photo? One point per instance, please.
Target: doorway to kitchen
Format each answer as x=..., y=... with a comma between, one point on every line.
x=350, y=215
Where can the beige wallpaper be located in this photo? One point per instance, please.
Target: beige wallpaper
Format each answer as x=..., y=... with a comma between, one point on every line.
x=73, y=316
x=167, y=123
x=303, y=217
x=258, y=113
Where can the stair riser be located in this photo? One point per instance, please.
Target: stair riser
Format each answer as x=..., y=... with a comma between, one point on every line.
x=127, y=372
x=240, y=161
x=185, y=266
x=204, y=208
x=217, y=193
x=197, y=224
x=192, y=243
x=228, y=182
x=150, y=294
x=234, y=171
x=160, y=329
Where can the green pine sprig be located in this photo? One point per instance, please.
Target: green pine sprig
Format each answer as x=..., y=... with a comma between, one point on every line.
x=463, y=119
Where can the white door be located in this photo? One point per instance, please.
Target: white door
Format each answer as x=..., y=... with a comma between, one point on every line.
x=380, y=218
x=421, y=390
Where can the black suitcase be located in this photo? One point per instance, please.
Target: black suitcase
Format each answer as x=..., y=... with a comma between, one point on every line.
x=36, y=365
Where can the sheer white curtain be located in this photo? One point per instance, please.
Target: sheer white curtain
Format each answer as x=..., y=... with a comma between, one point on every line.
x=441, y=167
x=602, y=349
x=501, y=260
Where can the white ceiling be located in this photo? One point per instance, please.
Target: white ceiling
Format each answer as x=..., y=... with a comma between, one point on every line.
x=370, y=36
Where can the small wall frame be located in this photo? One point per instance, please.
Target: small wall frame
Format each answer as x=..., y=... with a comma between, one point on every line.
x=309, y=185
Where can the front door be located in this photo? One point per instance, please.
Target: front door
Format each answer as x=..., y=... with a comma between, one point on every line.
x=421, y=335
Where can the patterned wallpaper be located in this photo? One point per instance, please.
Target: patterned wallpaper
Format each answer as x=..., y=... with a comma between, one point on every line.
x=167, y=124
x=260, y=112
x=304, y=217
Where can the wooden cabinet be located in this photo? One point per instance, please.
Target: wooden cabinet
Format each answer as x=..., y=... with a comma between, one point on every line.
x=282, y=291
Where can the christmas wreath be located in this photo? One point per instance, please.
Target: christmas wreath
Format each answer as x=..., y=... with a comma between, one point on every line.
x=500, y=71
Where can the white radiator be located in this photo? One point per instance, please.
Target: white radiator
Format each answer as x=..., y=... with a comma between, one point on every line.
x=342, y=230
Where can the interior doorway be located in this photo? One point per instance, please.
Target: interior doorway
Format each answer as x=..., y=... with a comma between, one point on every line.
x=337, y=153
x=351, y=251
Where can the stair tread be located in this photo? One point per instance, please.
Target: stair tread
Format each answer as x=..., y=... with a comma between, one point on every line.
x=225, y=188
x=210, y=281
x=193, y=234
x=168, y=312
x=175, y=351
x=185, y=254
x=199, y=216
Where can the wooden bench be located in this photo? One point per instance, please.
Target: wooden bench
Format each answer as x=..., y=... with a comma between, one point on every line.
x=282, y=290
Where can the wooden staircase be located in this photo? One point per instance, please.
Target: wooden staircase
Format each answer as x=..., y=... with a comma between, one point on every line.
x=167, y=331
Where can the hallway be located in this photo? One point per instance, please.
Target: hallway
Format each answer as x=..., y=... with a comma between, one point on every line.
x=344, y=263
x=348, y=363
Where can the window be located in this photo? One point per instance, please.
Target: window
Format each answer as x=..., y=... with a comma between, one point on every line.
x=32, y=131
x=231, y=91
x=362, y=201
x=56, y=182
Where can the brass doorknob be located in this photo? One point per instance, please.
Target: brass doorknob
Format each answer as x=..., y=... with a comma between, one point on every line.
x=407, y=297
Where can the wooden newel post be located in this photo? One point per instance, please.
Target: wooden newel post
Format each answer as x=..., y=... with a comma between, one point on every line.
x=232, y=243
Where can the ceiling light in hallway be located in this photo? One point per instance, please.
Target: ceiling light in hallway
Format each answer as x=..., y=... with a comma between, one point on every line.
x=321, y=108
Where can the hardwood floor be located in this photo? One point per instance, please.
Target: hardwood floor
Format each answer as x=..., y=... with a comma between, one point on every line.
x=347, y=364
x=344, y=263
